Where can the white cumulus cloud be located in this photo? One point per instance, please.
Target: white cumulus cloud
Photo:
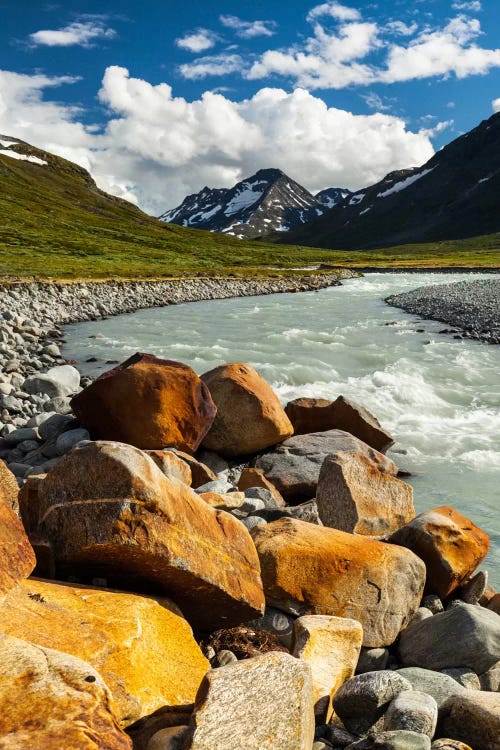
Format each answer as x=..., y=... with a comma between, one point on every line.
x=156, y=148
x=199, y=41
x=335, y=10
x=496, y=105
x=212, y=65
x=473, y=6
x=80, y=33
x=248, y=29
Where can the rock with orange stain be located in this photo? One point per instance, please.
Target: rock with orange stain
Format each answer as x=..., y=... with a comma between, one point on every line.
x=262, y=703
x=148, y=402
x=107, y=508
x=49, y=699
x=142, y=646
x=9, y=489
x=308, y=569
x=450, y=545
x=227, y=501
x=319, y=414
x=355, y=496
x=172, y=465
x=254, y=478
x=249, y=416
x=17, y=559
x=331, y=646
x=200, y=472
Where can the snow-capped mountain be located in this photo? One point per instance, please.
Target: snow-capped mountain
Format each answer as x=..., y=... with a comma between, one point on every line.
x=455, y=195
x=263, y=204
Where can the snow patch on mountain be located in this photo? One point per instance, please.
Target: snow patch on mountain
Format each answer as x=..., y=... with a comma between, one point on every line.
x=399, y=186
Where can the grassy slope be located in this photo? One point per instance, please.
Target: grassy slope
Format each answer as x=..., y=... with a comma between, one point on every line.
x=56, y=223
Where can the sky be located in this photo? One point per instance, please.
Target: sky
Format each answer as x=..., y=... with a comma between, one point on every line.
x=158, y=99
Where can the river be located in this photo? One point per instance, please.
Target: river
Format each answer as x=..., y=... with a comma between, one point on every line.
x=439, y=396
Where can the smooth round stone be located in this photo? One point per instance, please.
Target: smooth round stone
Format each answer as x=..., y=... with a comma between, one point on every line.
x=400, y=740
x=225, y=657
x=413, y=711
x=440, y=686
x=464, y=676
x=277, y=622
x=252, y=521
x=252, y=505
x=472, y=591
x=67, y=440
x=53, y=424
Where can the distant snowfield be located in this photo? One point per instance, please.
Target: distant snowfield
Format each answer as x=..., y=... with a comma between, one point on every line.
x=399, y=186
x=20, y=157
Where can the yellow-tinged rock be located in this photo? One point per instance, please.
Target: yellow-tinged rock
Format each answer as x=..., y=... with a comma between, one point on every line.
x=17, y=558
x=172, y=465
x=9, y=489
x=331, y=647
x=142, y=647
x=227, y=501
x=53, y=701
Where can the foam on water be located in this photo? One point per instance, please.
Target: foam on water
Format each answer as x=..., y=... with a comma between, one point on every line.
x=439, y=396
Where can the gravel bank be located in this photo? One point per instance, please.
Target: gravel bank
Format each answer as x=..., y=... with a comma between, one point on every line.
x=472, y=306
x=31, y=317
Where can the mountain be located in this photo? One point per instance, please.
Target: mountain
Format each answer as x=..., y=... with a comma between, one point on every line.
x=56, y=222
x=263, y=204
x=455, y=195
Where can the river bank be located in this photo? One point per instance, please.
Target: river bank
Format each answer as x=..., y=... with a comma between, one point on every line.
x=472, y=306
x=32, y=316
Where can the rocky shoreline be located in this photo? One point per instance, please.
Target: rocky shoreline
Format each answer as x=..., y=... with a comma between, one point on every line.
x=471, y=306
x=201, y=569
x=32, y=316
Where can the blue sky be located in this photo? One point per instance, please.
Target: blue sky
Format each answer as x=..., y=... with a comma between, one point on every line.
x=158, y=99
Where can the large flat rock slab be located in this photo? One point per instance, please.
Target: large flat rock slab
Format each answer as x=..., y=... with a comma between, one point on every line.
x=142, y=647
x=309, y=569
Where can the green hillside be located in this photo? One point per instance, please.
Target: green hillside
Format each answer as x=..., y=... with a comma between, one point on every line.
x=56, y=223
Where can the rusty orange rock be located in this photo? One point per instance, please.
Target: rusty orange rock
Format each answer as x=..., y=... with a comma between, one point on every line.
x=49, y=699
x=172, y=465
x=147, y=402
x=141, y=646
x=450, y=545
x=109, y=508
x=309, y=569
x=9, y=489
x=200, y=472
x=254, y=478
x=249, y=415
x=17, y=558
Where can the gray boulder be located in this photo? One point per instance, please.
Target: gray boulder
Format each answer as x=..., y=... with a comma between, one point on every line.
x=440, y=686
x=66, y=441
x=413, y=711
x=372, y=660
x=56, y=382
x=362, y=700
x=464, y=635
x=398, y=740
x=294, y=466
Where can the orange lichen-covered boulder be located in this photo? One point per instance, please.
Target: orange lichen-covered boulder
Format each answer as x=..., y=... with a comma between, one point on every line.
x=450, y=545
x=249, y=414
x=9, y=489
x=309, y=569
x=172, y=465
x=17, y=558
x=49, y=699
x=141, y=646
x=147, y=402
x=318, y=415
x=107, y=506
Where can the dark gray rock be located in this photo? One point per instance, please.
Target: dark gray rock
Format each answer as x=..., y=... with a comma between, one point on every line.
x=464, y=635
x=464, y=676
x=277, y=622
x=440, y=686
x=372, y=660
x=398, y=740
x=362, y=700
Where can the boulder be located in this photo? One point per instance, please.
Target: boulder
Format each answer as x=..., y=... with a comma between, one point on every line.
x=319, y=415
x=440, y=686
x=463, y=636
x=473, y=718
x=167, y=717
x=354, y=496
x=257, y=704
x=450, y=545
x=308, y=569
x=445, y=744
x=490, y=680
x=227, y=501
x=250, y=478
x=57, y=382
x=141, y=646
x=200, y=472
x=249, y=416
x=494, y=604
x=397, y=740
x=171, y=738
x=108, y=507
x=49, y=699
x=363, y=700
x=294, y=466
x=17, y=559
x=331, y=646
x=413, y=711
x=172, y=465
x=147, y=402
x=9, y=489
x=372, y=659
